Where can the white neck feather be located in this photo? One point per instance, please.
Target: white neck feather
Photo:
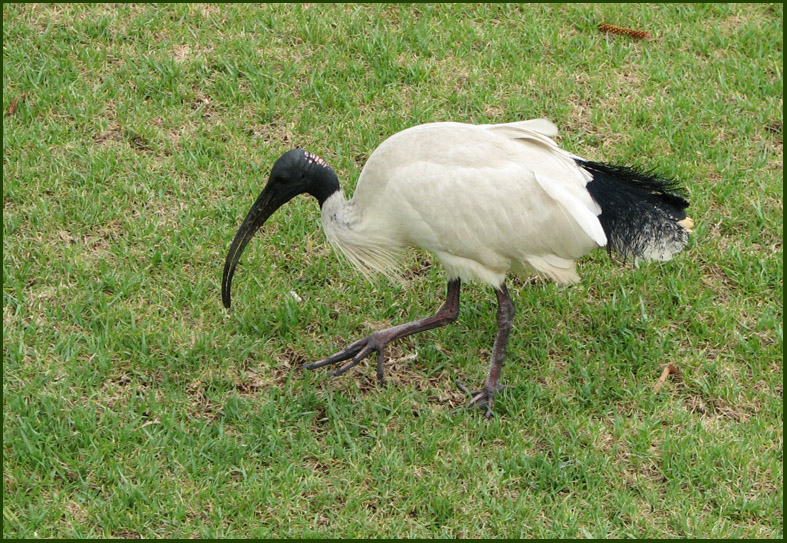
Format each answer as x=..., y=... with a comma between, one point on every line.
x=367, y=244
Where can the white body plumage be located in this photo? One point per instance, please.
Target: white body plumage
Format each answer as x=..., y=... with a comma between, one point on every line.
x=483, y=199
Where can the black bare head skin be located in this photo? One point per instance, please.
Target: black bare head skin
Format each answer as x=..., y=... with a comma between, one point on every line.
x=296, y=172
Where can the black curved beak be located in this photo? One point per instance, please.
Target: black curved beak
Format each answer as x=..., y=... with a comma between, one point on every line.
x=266, y=204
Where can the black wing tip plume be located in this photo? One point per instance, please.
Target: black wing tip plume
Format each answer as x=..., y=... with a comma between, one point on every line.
x=642, y=212
x=645, y=181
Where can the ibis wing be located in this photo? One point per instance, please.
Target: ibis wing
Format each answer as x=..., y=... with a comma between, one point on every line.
x=483, y=199
x=507, y=209
x=543, y=127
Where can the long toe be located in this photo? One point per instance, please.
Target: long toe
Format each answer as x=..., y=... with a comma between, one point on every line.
x=482, y=399
x=355, y=353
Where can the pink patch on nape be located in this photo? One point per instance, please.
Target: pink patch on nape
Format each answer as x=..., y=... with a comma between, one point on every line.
x=312, y=158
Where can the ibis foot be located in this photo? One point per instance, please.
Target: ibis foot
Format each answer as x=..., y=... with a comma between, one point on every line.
x=483, y=399
x=376, y=341
x=357, y=351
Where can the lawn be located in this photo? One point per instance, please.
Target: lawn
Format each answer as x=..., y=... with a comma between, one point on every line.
x=136, y=137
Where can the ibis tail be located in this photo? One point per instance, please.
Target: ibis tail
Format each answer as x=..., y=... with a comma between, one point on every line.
x=643, y=214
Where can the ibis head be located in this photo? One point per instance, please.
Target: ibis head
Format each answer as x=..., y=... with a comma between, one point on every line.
x=295, y=172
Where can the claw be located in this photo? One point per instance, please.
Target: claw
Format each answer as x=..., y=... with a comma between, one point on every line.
x=483, y=399
x=356, y=351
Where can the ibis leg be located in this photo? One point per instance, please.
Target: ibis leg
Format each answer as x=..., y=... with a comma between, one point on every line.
x=484, y=398
x=377, y=341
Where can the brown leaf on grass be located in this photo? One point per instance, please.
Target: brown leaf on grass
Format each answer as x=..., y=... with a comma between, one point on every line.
x=12, y=108
x=671, y=369
x=612, y=29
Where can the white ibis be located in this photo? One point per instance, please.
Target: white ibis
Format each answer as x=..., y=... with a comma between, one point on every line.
x=485, y=200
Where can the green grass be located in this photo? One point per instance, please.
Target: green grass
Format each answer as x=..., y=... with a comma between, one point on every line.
x=135, y=405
